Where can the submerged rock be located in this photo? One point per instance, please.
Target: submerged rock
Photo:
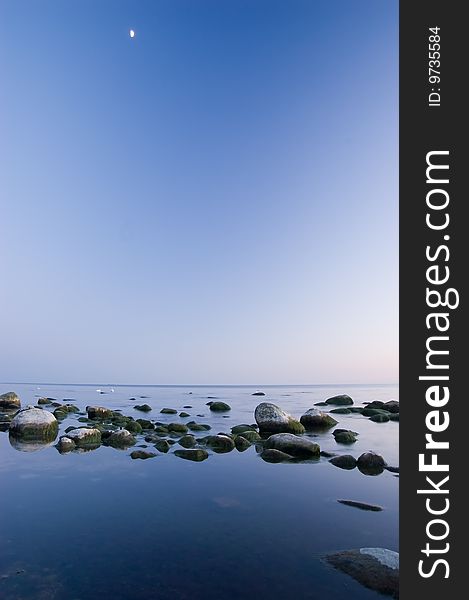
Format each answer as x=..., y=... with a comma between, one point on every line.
x=316, y=419
x=341, y=411
x=219, y=406
x=34, y=424
x=193, y=426
x=145, y=424
x=379, y=419
x=294, y=445
x=142, y=454
x=361, y=505
x=177, y=428
x=168, y=411
x=258, y=393
x=271, y=418
x=133, y=426
x=375, y=568
x=346, y=461
x=197, y=455
x=340, y=400
x=10, y=400
x=184, y=415
x=275, y=456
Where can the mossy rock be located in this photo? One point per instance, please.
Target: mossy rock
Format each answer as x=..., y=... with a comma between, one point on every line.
x=275, y=456
x=162, y=445
x=272, y=419
x=250, y=435
x=380, y=418
x=341, y=411
x=316, y=420
x=187, y=441
x=142, y=454
x=168, y=411
x=84, y=420
x=42, y=401
x=219, y=443
x=160, y=430
x=177, y=428
x=372, y=412
x=133, y=427
x=99, y=412
x=184, y=415
x=143, y=407
x=346, y=461
x=219, y=406
x=356, y=409
x=241, y=443
x=121, y=439
x=340, y=400
x=345, y=437
x=198, y=426
x=145, y=424
x=242, y=428
x=394, y=417
x=34, y=424
x=10, y=400
x=85, y=436
x=196, y=455
x=60, y=414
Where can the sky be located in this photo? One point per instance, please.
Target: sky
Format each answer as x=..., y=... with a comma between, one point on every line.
x=213, y=201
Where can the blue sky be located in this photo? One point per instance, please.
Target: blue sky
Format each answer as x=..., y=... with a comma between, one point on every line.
x=213, y=201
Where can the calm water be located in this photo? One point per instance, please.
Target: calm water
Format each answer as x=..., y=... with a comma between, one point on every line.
x=83, y=526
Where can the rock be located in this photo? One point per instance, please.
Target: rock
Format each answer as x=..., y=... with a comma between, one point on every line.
x=197, y=455
x=10, y=400
x=327, y=454
x=242, y=443
x=372, y=412
x=60, y=414
x=84, y=436
x=143, y=454
x=270, y=418
x=160, y=430
x=392, y=406
x=320, y=404
x=99, y=412
x=133, y=426
x=294, y=445
x=121, y=439
x=375, y=404
x=143, y=407
x=394, y=417
x=375, y=568
x=250, y=436
x=187, y=441
x=340, y=400
x=344, y=437
x=275, y=456
x=177, y=428
x=184, y=415
x=198, y=426
x=258, y=394
x=219, y=406
x=392, y=469
x=355, y=409
x=34, y=423
x=370, y=463
x=161, y=445
x=379, y=418
x=242, y=428
x=42, y=401
x=341, y=411
x=315, y=419
x=65, y=444
x=361, y=505
x=219, y=443
x=187, y=406
x=346, y=461
x=145, y=424
x=168, y=411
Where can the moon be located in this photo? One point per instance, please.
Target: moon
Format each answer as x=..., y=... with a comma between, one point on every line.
x=132, y=33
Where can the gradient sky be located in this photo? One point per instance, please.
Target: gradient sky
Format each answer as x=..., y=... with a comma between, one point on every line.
x=214, y=201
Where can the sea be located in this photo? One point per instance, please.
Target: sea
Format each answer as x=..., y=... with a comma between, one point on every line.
x=99, y=525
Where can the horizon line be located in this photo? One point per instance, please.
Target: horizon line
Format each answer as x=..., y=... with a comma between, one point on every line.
x=192, y=385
